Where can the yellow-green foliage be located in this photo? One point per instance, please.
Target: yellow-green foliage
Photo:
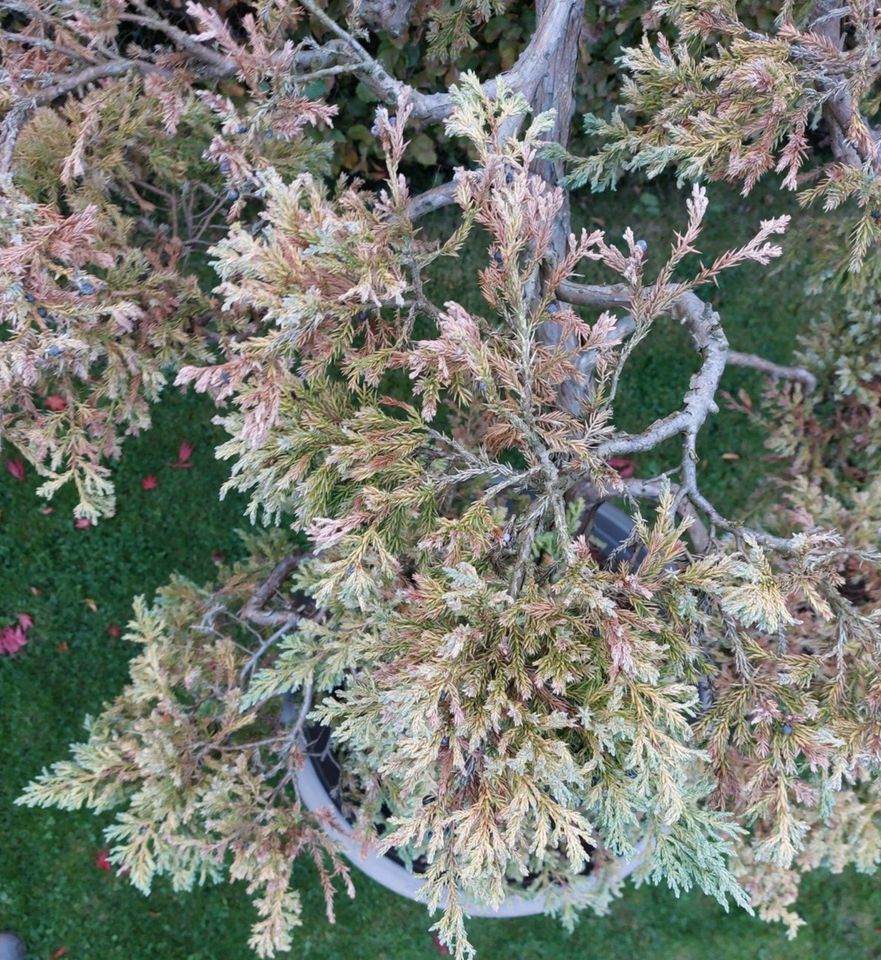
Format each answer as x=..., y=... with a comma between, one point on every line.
x=506, y=709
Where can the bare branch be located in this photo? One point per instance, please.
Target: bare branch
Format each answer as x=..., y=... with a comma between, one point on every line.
x=390, y=16
x=269, y=642
x=604, y=297
x=553, y=31
x=310, y=57
x=254, y=610
x=710, y=341
x=28, y=41
x=689, y=473
x=434, y=199
x=839, y=109
x=799, y=374
x=221, y=64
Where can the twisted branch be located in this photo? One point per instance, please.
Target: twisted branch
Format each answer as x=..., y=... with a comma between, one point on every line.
x=254, y=610
x=551, y=33
x=708, y=336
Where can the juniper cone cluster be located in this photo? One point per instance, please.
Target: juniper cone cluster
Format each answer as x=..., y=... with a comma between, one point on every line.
x=422, y=476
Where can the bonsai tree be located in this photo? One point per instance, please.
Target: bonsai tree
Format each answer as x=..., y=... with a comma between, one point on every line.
x=508, y=709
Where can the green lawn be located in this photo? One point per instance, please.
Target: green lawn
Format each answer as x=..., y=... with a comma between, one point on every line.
x=52, y=892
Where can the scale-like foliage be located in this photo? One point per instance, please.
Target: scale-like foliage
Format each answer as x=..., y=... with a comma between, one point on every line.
x=203, y=781
x=726, y=101
x=512, y=701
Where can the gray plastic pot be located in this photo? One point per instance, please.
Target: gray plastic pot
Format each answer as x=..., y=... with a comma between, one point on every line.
x=396, y=877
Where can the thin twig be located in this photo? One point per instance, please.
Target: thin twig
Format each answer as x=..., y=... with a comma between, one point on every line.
x=269, y=642
x=777, y=371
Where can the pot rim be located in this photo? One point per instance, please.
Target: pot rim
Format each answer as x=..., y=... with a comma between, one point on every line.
x=394, y=876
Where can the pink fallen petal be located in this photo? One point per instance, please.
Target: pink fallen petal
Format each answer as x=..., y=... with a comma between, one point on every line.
x=12, y=639
x=184, y=452
x=150, y=482
x=16, y=468
x=102, y=860
x=55, y=403
x=25, y=621
x=82, y=523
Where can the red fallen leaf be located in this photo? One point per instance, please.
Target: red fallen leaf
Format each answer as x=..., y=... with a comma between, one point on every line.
x=25, y=621
x=55, y=403
x=150, y=482
x=184, y=452
x=114, y=631
x=12, y=639
x=82, y=523
x=441, y=949
x=218, y=557
x=102, y=860
x=58, y=954
x=16, y=468
x=63, y=647
x=623, y=465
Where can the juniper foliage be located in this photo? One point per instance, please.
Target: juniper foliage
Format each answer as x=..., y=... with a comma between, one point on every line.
x=508, y=710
